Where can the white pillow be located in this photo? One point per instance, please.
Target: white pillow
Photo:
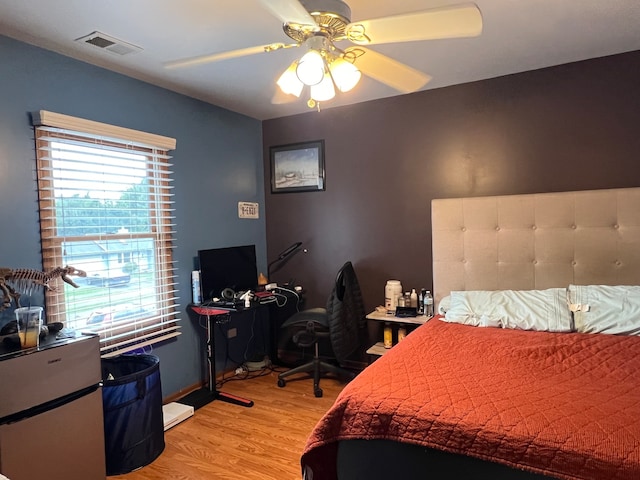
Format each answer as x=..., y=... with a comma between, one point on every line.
x=444, y=305
x=543, y=310
x=606, y=308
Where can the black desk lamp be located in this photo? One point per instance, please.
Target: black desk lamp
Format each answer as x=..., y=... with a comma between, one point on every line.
x=285, y=254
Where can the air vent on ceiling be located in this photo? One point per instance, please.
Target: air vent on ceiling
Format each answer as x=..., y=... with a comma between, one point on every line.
x=111, y=44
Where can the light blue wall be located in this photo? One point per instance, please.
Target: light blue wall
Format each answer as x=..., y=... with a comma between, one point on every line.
x=217, y=163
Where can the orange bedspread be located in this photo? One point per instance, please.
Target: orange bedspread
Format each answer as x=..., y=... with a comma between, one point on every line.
x=564, y=405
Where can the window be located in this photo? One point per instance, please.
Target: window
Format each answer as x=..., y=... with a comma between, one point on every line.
x=106, y=208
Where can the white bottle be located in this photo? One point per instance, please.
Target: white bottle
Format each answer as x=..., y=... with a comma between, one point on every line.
x=400, y=300
x=391, y=290
x=195, y=287
x=413, y=298
x=428, y=304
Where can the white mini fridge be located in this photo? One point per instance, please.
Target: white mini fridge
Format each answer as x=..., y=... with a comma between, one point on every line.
x=51, y=422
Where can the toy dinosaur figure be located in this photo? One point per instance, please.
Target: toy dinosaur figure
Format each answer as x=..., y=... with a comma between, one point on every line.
x=25, y=279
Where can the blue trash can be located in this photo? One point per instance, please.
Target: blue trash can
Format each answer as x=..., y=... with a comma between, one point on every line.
x=132, y=404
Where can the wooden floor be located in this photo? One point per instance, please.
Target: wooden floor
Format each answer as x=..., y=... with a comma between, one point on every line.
x=228, y=442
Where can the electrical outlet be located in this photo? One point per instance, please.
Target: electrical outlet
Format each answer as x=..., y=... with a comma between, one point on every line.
x=232, y=332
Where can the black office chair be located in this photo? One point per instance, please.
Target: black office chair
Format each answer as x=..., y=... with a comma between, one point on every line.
x=341, y=322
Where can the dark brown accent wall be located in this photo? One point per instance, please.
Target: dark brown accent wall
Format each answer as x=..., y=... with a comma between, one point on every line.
x=570, y=127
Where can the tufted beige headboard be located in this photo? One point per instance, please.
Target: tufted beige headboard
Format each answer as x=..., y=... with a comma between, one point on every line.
x=536, y=241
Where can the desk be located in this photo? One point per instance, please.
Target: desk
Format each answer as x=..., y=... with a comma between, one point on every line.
x=284, y=304
x=378, y=348
x=207, y=394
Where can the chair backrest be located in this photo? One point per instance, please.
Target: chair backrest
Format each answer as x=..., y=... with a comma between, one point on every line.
x=345, y=310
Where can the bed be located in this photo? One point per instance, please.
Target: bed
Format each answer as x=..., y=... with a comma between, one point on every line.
x=531, y=369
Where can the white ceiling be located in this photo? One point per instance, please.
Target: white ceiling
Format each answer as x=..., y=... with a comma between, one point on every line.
x=518, y=35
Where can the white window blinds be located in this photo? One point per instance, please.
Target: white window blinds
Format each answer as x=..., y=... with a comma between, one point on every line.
x=105, y=207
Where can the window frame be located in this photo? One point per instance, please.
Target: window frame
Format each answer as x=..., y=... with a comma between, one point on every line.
x=123, y=336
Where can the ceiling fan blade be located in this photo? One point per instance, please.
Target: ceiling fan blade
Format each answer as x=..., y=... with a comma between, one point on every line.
x=289, y=11
x=387, y=70
x=216, y=57
x=446, y=22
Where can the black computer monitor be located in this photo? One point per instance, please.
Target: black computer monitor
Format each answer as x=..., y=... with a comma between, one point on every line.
x=227, y=268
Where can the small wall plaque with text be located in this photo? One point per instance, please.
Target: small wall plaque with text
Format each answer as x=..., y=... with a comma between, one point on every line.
x=247, y=210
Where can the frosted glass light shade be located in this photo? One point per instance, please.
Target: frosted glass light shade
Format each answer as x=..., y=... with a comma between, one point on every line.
x=345, y=74
x=324, y=90
x=310, y=68
x=289, y=82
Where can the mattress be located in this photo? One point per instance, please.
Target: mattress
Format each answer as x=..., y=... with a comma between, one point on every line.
x=564, y=405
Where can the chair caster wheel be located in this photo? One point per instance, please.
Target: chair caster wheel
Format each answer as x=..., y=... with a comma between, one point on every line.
x=281, y=382
x=318, y=392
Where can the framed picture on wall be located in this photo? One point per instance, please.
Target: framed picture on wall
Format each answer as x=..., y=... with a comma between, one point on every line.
x=297, y=167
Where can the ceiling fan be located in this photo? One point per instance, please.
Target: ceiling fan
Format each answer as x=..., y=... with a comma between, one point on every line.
x=319, y=24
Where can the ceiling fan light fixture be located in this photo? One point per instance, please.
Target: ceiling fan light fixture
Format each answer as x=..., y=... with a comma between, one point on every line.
x=311, y=69
x=324, y=90
x=289, y=82
x=345, y=74
x=319, y=25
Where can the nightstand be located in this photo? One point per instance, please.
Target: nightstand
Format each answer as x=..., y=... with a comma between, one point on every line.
x=378, y=348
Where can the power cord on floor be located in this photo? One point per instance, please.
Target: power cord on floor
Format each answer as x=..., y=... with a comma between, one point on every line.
x=246, y=374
